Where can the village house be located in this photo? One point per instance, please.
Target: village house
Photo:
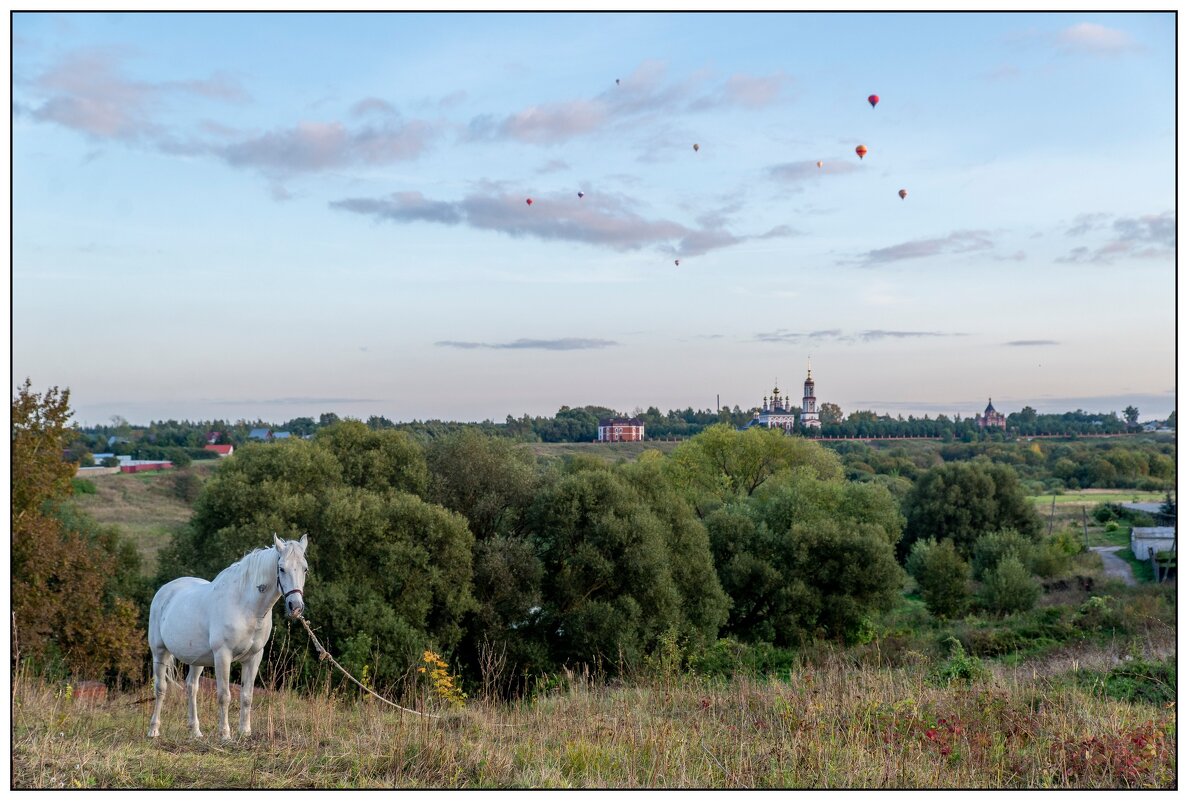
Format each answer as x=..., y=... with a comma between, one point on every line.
x=621, y=429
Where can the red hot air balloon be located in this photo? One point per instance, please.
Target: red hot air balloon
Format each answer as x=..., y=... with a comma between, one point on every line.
x=873, y=100
x=528, y=201
x=902, y=194
x=860, y=150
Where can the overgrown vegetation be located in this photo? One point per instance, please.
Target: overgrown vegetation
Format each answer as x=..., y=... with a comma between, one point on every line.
x=460, y=572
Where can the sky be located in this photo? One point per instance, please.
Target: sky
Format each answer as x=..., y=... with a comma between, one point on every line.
x=266, y=215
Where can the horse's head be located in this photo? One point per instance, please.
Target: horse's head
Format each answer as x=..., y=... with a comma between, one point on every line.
x=291, y=569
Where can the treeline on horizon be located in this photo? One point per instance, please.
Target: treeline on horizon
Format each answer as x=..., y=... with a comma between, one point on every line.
x=580, y=424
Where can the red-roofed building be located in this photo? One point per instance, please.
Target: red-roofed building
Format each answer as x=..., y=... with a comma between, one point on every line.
x=222, y=450
x=619, y=429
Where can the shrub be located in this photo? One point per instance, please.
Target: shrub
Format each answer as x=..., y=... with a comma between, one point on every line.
x=943, y=577
x=990, y=549
x=187, y=486
x=84, y=486
x=959, y=668
x=1010, y=587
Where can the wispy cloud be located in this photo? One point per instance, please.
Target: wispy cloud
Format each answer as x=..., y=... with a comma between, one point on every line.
x=604, y=221
x=1089, y=37
x=784, y=336
x=316, y=146
x=1024, y=343
x=644, y=94
x=565, y=343
x=797, y=171
x=88, y=92
x=956, y=242
x=1146, y=237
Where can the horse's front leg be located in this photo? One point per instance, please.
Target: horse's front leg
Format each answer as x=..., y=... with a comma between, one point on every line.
x=248, y=668
x=192, y=698
x=222, y=670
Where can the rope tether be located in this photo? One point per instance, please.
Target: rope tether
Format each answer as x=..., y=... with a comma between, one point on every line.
x=324, y=654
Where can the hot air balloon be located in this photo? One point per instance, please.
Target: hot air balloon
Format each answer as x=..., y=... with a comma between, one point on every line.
x=581, y=194
x=860, y=150
x=820, y=164
x=902, y=194
x=873, y=100
x=528, y=201
x=677, y=262
x=616, y=81
x=696, y=148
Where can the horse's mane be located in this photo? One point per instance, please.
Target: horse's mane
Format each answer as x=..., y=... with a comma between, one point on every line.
x=256, y=567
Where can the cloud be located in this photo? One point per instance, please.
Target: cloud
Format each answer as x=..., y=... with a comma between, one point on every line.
x=86, y=91
x=796, y=171
x=1146, y=237
x=1025, y=343
x=644, y=94
x=1084, y=223
x=317, y=146
x=956, y=242
x=373, y=105
x=744, y=91
x=553, y=165
x=1088, y=37
x=565, y=343
x=784, y=336
x=603, y=220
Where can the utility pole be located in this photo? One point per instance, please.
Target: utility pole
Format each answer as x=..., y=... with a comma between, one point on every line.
x=1085, y=523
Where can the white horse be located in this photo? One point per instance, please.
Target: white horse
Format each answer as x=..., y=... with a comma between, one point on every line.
x=214, y=623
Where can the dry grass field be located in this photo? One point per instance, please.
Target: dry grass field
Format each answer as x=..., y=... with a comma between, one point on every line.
x=833, y=723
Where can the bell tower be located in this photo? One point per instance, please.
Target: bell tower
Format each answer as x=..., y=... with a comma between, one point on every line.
x=809, y=417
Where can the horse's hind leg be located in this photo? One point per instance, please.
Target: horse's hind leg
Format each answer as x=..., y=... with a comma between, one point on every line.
x=162, y=667
x=192, y=698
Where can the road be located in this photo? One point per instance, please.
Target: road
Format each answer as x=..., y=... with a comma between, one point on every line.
x=1115, y=566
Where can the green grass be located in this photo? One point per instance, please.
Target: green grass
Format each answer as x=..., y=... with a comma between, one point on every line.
x=611, y=451
x=1093, y=497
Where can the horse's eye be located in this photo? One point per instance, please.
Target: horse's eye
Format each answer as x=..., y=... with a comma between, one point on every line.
x=282, y=570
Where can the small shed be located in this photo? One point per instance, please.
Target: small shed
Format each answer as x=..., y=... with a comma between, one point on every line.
x=1144, y=540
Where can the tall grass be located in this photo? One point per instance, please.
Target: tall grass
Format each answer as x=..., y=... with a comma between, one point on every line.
x=830, y=724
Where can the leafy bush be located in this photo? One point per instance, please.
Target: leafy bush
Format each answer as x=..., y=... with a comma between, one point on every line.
x=958, y=668
x=1135, y=681
x=83, y=486
x=943, y=577
x=187, y=486
x=1010, y=587
x=992, y=548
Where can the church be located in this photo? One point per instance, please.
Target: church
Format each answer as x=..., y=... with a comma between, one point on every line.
x=777, y=411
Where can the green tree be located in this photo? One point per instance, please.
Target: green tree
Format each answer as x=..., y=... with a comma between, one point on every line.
x=830, y=413
x=943, y=577
x=1010, y=587
x=962, y=501
x=488, y=480
x=389, y=573
x=722, y=464
x=1131, y=414
x=608, y=588
x=992, y=548
x=376, y=460
x=806, y=555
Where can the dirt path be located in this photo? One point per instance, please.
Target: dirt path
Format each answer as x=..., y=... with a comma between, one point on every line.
x=1114, y=566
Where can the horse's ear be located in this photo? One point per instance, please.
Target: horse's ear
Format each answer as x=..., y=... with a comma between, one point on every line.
x=280, y=545
x=304, y=542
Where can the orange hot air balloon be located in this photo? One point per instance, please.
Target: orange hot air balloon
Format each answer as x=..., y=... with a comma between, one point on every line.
x=696, y=148
x=860, y=150
x=528, y=201
x=873, y=100
x=820, y=164
x=902, y=194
